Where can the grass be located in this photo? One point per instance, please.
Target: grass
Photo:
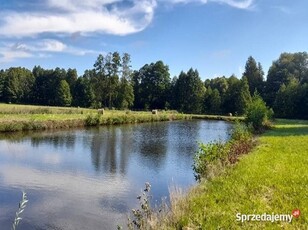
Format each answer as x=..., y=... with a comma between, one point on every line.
x=29, y=117
x=217, y=117
x=273, y=178
x=33, y=109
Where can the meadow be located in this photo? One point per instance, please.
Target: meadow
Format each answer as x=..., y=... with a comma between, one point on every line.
x=272, y=179
x=30, y=117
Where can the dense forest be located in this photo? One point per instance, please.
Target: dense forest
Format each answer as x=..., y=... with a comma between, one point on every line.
x=112, y=83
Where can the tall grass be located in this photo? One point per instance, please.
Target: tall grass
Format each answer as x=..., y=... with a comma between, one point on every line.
x=21, y=208
x=33, y=109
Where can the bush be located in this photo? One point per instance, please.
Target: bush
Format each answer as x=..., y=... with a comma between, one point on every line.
x=257, y=114
x=241, y=142
x=92, y=119
x=206, y=155
x=210, y=157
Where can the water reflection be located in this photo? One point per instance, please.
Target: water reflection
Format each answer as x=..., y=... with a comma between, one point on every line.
x=150, y=143
x=67, y=141
x=88, y=179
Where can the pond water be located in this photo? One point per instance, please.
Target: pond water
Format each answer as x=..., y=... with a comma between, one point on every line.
x=90, y=178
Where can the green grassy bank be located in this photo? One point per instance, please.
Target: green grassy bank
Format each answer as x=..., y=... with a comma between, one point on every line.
x=28, y=117
x=217, y=117
x=272, y=179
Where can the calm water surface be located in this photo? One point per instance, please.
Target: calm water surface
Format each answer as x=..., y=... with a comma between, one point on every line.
x=89, y=179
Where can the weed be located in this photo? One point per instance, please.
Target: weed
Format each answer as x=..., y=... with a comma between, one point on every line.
x=140, y=217
x=21, y=208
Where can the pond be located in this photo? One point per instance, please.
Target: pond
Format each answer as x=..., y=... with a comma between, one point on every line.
x=90, y=178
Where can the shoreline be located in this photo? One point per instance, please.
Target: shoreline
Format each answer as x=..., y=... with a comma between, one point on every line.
x=88, y=120
x=14, y=118
x=261, y=182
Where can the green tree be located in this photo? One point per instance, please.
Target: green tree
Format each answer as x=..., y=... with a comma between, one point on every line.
x=254, y=74
x=126, y=67
x=106, y=79
x=289, y=66
x=2, y=78
x=302, y=102
x=98, y=81
x=189, y=92
x=125, y=98
x=237, y=96
x=63, y=94
x=71, y=78
x=152, y=84
x=136, y=81
x=291, y=100
x=96, y=86
x=18, y=84
x=46, y=85
x=257, y=113
x=215, y=102
x=83, y=93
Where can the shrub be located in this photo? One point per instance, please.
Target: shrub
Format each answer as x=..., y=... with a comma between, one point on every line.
x=257, y=113
x=212, y=156
x=206, y=155
x=92, y=119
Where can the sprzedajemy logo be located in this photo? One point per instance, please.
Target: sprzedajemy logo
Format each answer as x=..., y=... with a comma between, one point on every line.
x=268, y=217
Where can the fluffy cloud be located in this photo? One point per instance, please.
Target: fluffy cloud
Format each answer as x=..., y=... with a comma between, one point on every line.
x=117, y=17
x=87, y=16
x=76, y=17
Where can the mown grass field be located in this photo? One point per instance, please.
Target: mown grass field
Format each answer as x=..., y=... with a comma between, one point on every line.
x=29, y=117
x=273, y=178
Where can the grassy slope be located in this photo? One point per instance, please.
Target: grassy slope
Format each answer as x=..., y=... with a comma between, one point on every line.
x=272, y=179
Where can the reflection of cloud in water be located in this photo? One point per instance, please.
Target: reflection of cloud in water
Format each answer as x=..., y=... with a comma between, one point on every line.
x=23, y=151
x=68, y=183
x=16, y=150
x=70, y=201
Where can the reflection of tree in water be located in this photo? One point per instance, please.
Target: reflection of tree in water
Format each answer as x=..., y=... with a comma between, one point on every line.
x=66, y=140
x=151, y=144
x=182, y=133
x=50, y=137
x=110, y=148
x=180, y=137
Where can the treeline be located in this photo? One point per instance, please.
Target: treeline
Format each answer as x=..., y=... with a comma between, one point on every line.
x=112, y=83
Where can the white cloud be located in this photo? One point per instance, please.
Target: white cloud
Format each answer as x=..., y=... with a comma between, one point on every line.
x=41, y=48
x=68, y=16
x=52, y=46
x=117, y=17
x=8, y=54
x=241, y=4
x=73, y=18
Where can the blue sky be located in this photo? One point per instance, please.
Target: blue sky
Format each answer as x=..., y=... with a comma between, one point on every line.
x=214, y=36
